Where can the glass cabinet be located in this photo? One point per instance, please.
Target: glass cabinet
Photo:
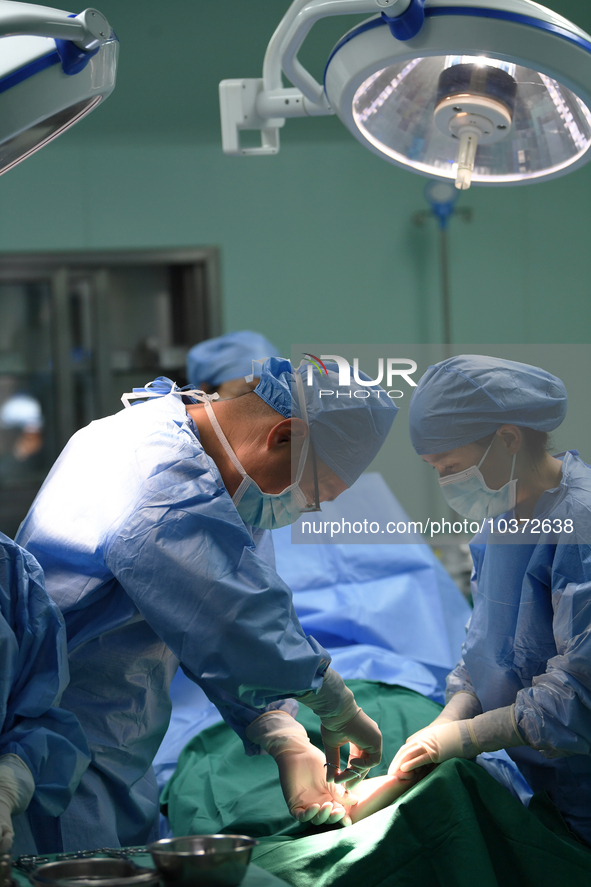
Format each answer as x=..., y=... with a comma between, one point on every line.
x=76, y=331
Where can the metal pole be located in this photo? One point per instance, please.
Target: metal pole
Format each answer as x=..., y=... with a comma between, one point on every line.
x=445, y=291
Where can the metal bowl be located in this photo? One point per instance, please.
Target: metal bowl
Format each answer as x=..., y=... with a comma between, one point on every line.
x=202, y=860
x=98, y=872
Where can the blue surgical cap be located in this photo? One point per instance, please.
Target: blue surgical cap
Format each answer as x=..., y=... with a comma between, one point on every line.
x=227, y=357
x=348, y=423
x=466, y=398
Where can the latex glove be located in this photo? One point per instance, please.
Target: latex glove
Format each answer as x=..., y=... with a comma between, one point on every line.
x=458, y=739
x=302, y=771
x=16, y=790
x=343, y=721
x=461, y=706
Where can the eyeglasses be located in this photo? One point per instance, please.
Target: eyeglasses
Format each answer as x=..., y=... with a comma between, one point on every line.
x=315, y=506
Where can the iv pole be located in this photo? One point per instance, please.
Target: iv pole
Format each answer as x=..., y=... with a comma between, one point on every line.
x=442, y=198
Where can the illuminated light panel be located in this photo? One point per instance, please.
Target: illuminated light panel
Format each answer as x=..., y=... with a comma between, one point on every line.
x=387, y=92
x=393, y=111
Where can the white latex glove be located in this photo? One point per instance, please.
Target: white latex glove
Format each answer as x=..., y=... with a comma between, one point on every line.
x=458, y=739
x=16, y=790
x=343, y=721
x=461, y=706
x=302, y=770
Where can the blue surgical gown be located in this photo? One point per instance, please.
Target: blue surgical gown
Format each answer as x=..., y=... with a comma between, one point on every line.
x=33, y=674
x=150, y=564
x=529, y=640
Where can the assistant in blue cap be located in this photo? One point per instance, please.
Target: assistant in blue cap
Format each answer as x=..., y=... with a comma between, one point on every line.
x=220, y=364
x=524, y=680
x=465, y=398
x=147, y=528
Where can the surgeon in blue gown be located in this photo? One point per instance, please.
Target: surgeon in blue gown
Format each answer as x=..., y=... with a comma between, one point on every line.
x=412, y=622
x=146, y=529
x=43, y=752
x=524, y=680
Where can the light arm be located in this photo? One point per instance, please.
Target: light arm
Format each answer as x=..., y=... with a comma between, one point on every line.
x=87, y=30
x=306, y=17
x=264, y=103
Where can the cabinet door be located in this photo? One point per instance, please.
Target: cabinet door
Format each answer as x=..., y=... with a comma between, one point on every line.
x=76, y=332
x=28, y=402
x=146, y=318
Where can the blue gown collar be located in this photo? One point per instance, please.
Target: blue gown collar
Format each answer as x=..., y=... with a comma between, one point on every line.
x=551, y=498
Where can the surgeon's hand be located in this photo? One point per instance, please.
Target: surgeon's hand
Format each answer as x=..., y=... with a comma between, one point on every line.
x=433, y=745
x=6, y=830
x=16, y=790
x=302, y=774
x=459, y=739
x=344, y=722
x=365, y=749
x=462, y=706
x=302, y=771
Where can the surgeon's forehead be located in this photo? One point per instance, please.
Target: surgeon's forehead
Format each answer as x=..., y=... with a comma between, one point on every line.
x=436, y=457
x=457, y=453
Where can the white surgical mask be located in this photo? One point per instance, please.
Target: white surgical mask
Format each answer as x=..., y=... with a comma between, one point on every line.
x=467, y=493
x=257, y=508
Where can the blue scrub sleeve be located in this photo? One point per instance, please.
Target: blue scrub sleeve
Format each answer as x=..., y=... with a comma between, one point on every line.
x=189, y=565
x=458, y=680
x=33, y=674
x=554, y=714
x=239, y=716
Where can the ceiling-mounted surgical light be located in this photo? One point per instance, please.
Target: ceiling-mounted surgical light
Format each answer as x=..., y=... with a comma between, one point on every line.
x=495, y=92
x=55, y=67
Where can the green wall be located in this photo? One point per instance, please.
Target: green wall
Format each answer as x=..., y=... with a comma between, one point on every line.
x=317, y=243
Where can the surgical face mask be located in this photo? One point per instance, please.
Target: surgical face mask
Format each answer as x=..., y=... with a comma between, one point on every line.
x=257, y=508
x=467, y=493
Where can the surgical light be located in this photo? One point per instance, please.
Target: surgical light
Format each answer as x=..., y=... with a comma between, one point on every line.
x=495, y=92
x=55, y=67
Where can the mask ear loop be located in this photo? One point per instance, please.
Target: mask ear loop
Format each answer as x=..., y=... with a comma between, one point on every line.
x=513, y=466
x=222, y=438
x=246, y=480
x=488, y=451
